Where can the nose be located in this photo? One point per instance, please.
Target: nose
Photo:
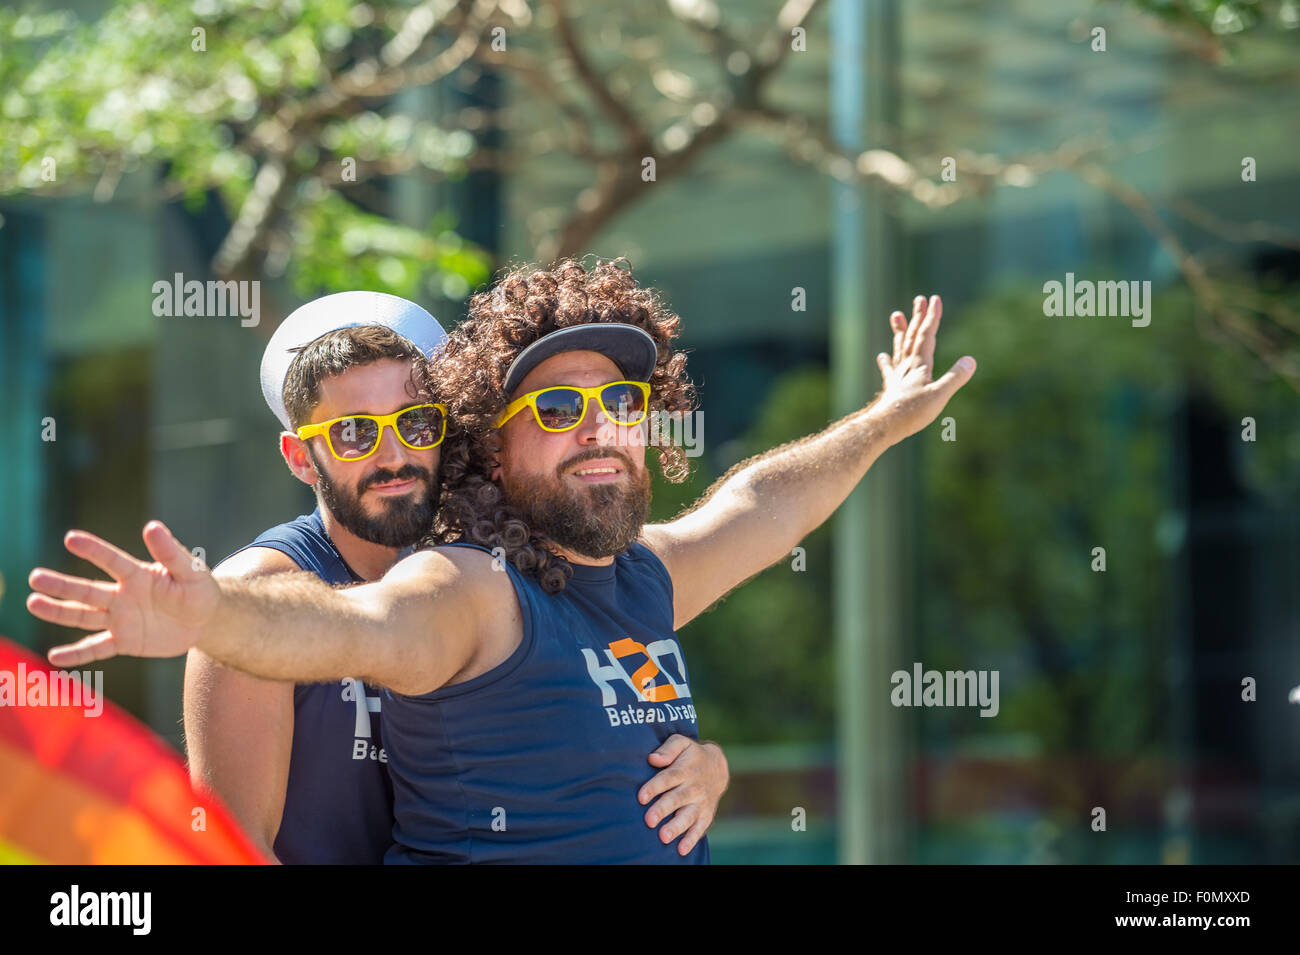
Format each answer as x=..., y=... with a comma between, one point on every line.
x=595, y=429
x=391, y=453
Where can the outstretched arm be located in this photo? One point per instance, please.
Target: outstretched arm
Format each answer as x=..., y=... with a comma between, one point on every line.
x=411, y=631
x=755, y=514
x=239, y=727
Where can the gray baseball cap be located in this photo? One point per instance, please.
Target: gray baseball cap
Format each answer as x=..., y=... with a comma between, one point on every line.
x=629, y=347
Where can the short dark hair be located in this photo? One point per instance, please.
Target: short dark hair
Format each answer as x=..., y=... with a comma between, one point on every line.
x=334, y=353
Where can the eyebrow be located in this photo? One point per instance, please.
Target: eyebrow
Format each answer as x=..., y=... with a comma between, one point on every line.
x=569, y=385
x=376, y=414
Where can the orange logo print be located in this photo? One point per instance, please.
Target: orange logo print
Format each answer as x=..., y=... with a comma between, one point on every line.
x=645, y=676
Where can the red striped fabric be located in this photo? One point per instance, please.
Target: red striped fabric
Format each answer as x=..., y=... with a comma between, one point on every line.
x=78, y=789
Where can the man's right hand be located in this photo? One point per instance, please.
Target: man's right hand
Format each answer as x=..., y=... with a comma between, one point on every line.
x=150, y=610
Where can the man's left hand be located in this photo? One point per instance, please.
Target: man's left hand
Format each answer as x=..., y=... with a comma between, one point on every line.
x=910, y=397
x=689, y=784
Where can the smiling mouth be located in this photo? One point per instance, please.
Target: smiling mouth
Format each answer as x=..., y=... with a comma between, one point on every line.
x=597, y=473
x=394, y=487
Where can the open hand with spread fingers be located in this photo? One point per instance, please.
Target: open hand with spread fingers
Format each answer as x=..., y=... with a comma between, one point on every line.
x=910, y=396
x=154, y=609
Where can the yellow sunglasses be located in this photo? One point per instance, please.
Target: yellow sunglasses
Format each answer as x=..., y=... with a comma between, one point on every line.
x=562, y=408
x=356, y=437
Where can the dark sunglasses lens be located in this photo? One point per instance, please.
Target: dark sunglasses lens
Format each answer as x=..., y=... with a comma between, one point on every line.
x=623, y=403
x=420, y=427
x=559, y=408
x=353, y=437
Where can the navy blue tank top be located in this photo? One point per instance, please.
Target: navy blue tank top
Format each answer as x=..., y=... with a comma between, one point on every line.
x=539, y=760
x=338, y=806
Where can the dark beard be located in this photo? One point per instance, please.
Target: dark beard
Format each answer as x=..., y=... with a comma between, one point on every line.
x=598, y=521
x=404, y=522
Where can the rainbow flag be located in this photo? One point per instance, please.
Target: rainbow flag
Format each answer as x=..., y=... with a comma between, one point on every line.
x=82, y=782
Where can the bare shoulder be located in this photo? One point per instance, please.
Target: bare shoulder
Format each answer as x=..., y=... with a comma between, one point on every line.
x=461, y=576
x=661, y=539
x=656, y=536
x=448, y=559
x=256, y=562
x=449, y=566
x=472, y=600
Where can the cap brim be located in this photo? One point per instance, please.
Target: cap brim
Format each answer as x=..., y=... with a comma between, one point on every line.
x=629, y=347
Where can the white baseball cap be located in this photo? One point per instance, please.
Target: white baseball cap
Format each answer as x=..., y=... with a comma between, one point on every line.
x=330, y=313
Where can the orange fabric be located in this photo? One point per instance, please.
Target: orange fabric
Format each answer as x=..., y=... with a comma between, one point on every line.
x=82, y=789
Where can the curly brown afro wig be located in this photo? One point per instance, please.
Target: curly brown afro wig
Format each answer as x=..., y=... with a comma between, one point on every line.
x=469, y=373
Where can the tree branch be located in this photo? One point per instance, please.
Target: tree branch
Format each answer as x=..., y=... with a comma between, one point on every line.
x=374, y=77
x=1230, y=319
x=612, y=106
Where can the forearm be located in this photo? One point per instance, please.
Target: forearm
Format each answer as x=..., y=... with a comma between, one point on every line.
x=792, y=489
x=760, y=509
x=296, y=627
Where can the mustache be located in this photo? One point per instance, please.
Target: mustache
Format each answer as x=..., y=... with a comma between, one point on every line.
x=592, y=455
x=404, y=473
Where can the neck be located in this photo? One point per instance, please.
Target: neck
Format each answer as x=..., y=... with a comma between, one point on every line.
x=368, y=560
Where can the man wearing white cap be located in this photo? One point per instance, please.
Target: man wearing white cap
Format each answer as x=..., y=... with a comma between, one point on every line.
x=302, y=766
x=520, y=692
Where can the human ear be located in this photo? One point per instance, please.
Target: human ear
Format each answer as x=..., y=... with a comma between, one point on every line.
x=294, y=452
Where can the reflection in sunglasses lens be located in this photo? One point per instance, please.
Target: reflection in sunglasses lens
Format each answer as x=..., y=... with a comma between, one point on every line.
x=622, y=403
x=420, y=427
x=352, y=437
x=559, y=408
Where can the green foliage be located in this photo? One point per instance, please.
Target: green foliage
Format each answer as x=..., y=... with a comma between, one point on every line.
x=1224, y=17
x=342, y=247
x=761, y=659
x=142, y=89
x=1066, y=440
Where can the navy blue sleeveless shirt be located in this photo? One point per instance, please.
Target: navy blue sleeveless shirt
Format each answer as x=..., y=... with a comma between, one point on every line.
x=539, y=760
x=338, y=806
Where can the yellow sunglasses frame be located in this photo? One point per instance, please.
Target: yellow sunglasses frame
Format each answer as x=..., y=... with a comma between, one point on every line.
x=308, y=431
x=530, y=401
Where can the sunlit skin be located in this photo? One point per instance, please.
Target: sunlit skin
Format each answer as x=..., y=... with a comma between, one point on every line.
x=381, y=387
x=442, y=615
x=682, y=796
x=529, y=452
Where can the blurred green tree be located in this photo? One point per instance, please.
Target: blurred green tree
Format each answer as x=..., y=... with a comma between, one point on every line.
x=1007, y=531
x=292, y=114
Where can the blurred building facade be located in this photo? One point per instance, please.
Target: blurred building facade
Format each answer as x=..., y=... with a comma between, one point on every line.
x=163, y=417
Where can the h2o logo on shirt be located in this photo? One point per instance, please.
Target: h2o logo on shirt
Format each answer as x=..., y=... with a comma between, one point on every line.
x=643, y=682
x=354, y=691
